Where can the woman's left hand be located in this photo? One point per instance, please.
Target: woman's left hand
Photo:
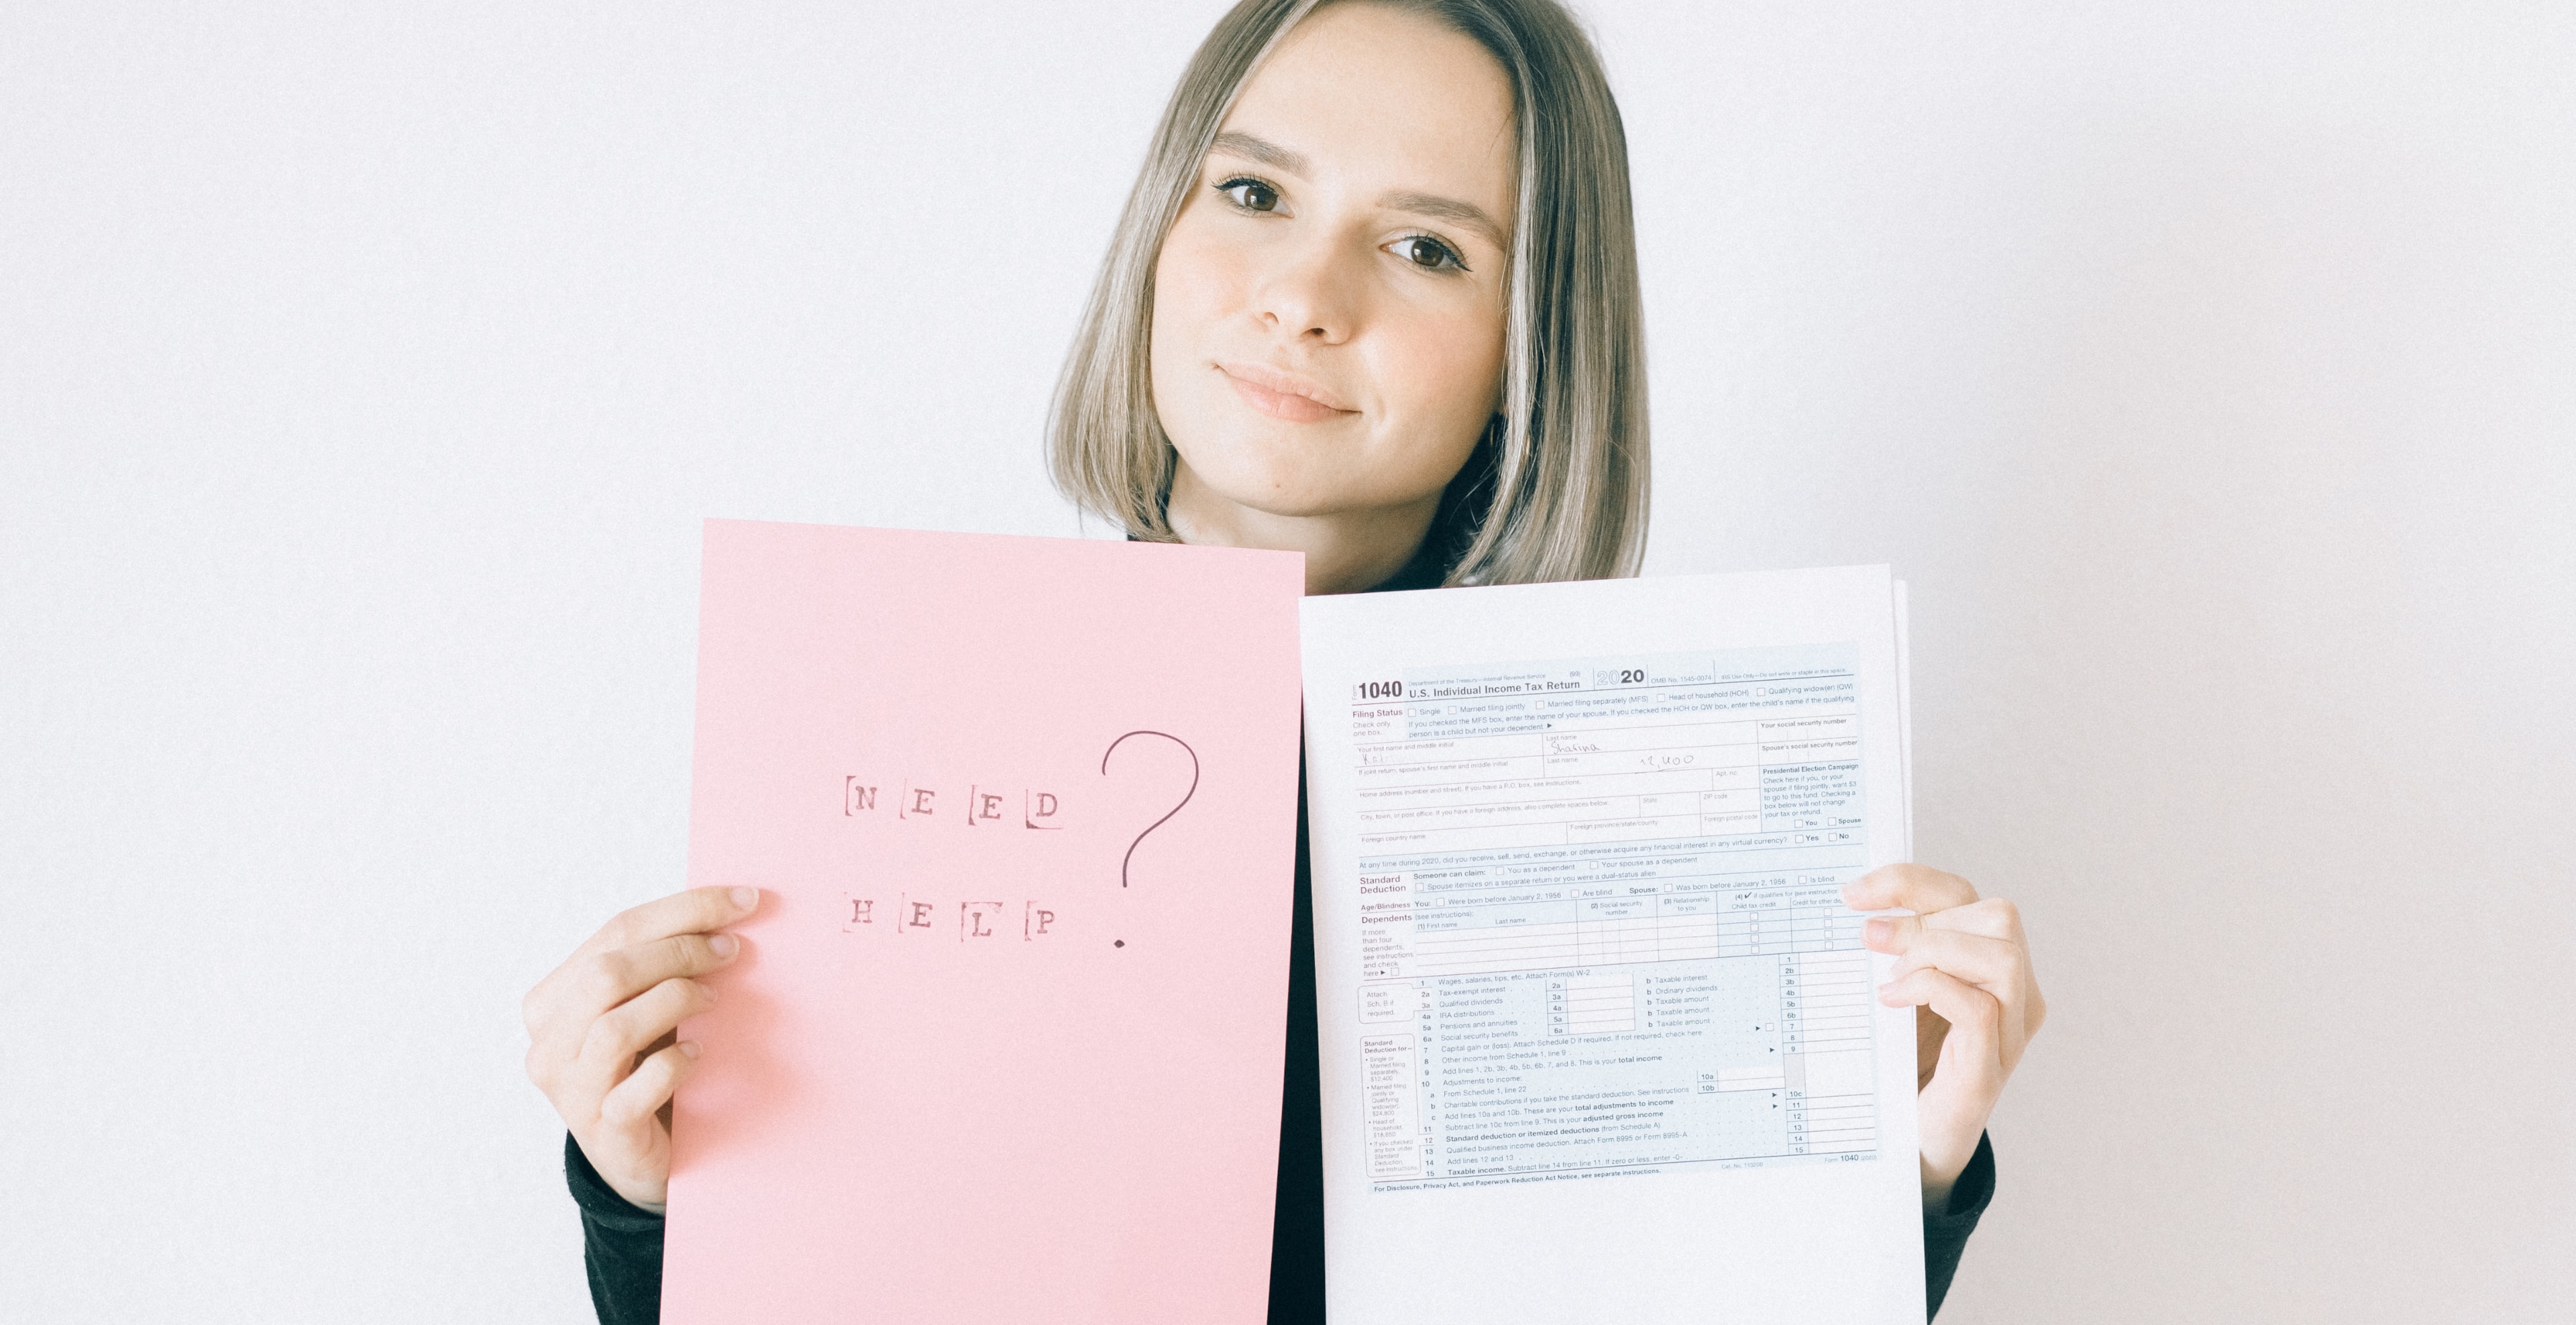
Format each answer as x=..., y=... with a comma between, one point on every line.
x=1964, y=967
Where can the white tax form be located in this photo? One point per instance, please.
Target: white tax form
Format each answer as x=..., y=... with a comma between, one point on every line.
x=1599, y=1039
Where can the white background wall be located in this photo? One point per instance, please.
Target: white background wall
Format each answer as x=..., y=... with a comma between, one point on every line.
x=2210, y=368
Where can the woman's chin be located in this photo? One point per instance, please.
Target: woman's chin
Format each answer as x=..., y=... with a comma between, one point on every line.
x=1286, y=501
x=1283, y=493
x=1290, y=471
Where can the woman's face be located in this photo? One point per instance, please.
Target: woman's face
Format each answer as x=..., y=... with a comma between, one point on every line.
x=1329, y=306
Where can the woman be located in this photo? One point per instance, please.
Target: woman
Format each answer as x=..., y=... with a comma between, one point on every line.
x=1373, y=299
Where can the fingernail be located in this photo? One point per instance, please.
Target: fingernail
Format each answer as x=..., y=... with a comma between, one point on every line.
x=689, y=1048
x=746, y=898
x=1878, y=931
x=725, y=945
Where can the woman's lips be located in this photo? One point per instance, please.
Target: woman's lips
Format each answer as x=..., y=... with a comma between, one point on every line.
x=1283, y=395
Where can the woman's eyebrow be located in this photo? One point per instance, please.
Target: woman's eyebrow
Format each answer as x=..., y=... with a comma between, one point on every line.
x=1262, y=150
x=1467, y=214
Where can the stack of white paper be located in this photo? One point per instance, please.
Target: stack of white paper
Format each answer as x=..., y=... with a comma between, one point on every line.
x=1599, y=1038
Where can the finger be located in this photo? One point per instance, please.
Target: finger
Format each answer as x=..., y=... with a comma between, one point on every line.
x=1993, y=917
x=695, y=911
x=2000, y=969
x=1890, y=934
x=608, y=1051
x=621, y=975
x=1975, y=1039
x=576, y=992
x=646, y=1089
x=2004, y=1032
x=604, y=980
x=1916, y=888
x=1993, y=965
x=1897, y=934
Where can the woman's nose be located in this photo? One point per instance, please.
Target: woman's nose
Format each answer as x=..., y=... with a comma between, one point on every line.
x=1310, y=294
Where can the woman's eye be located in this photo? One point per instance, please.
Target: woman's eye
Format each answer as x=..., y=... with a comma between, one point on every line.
x=1424, y=251
x=1250, y=194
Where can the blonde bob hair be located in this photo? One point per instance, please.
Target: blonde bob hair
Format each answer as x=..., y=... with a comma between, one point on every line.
x=1556, y=488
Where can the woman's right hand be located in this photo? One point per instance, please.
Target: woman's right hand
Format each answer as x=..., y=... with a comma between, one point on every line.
x=601, y=1030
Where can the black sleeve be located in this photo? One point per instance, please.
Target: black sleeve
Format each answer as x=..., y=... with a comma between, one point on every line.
x=1297, y=1223
x=621, y=1245
x=1945, y=1234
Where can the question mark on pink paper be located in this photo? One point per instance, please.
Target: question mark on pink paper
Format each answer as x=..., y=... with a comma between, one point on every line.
x=1130, y=857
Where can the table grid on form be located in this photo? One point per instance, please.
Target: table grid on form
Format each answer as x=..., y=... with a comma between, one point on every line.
x=1600, y=916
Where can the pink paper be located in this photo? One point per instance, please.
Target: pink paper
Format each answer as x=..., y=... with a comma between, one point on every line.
x=963, y=1072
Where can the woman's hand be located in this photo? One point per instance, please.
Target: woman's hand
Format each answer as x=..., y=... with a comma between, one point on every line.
x=1964, y=967
x=600, y=1030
